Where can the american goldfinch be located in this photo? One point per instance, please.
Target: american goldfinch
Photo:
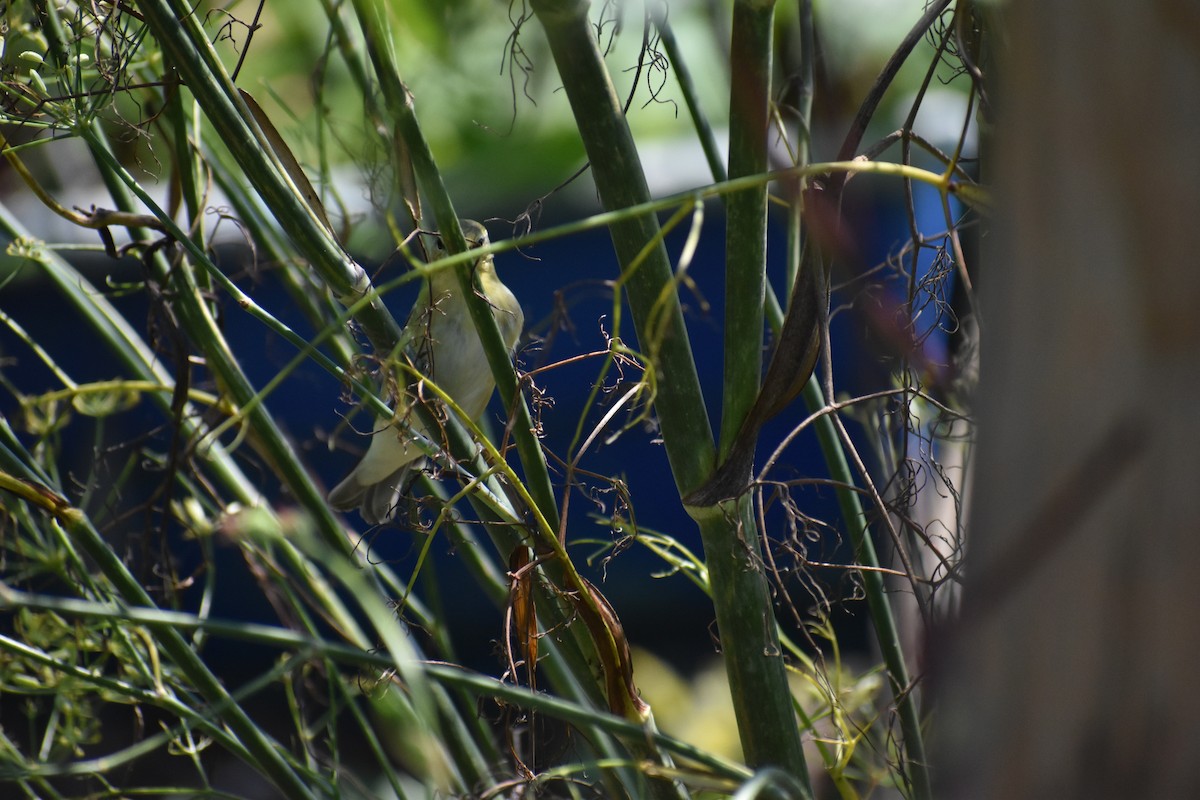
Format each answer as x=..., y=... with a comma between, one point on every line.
x=444, y=345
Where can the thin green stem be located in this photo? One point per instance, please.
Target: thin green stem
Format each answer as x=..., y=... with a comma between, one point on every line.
x=886, y=633
x=258, y=747
x=186, y=47
x=622, y=187
x=449, y=675
x=691, y=98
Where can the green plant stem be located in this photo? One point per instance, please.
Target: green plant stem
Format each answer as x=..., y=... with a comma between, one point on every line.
x=176, y=28
x=886, y=633
x=749, y=637
x=971, y=193
x=621, y=183
x=196, y=319
x=691, y=98
x=773, y=310
x=746, y=213
x=739, y=594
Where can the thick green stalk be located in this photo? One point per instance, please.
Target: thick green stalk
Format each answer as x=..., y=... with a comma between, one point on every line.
x=767, y=725
x=621, y=183
x=744, y=614
x=746, y=212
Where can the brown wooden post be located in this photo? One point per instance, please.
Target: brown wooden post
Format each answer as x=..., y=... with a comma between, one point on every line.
x=1076, y=670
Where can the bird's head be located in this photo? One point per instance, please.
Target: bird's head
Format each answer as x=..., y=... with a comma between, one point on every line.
x=474, y=232
x=476, y=235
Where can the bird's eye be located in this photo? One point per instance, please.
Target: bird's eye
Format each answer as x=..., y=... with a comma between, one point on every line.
x=438, y=244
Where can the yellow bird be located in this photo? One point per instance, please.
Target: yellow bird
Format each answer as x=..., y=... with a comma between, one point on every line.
x=446, y=348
